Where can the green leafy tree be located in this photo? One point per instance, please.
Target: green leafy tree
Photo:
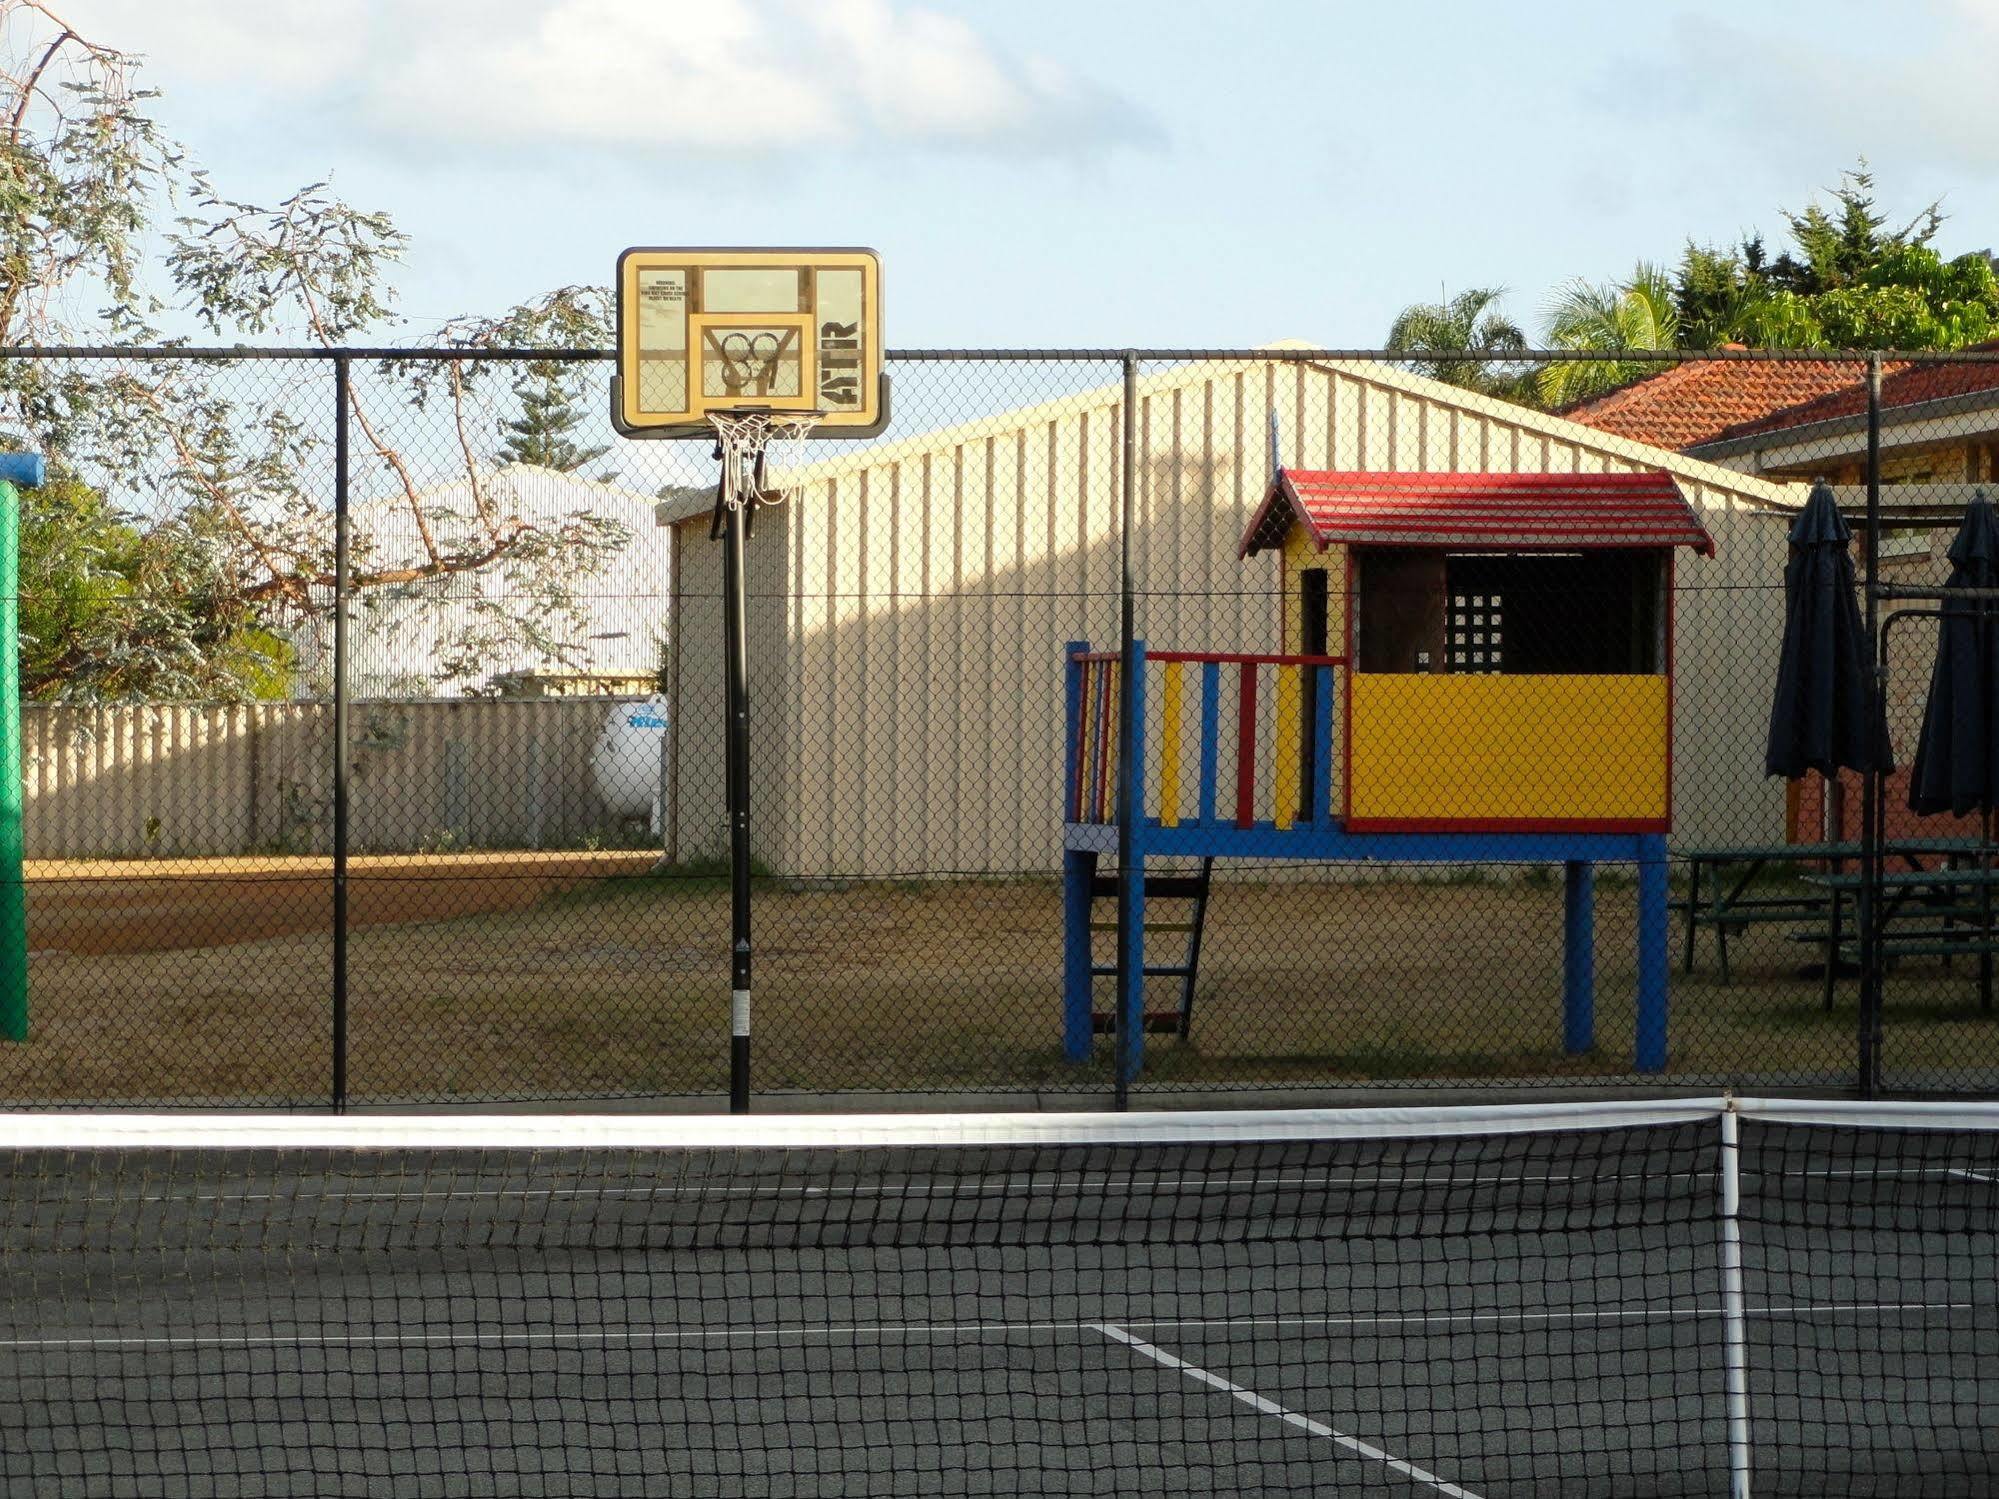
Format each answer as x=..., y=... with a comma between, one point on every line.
x=1629, y=316
x=1847, y=280
x=99, y=208
x=1727, y=297
x=1845, y=245
x=541, y=433
x=115, y=610
x=1463, y=340
x=1848, y=277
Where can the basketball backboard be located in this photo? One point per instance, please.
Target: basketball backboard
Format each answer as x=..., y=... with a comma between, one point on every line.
x=712, y=330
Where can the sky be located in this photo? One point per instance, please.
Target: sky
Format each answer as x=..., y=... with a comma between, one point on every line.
x=1052, y=172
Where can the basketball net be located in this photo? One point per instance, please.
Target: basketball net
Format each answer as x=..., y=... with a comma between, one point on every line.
x=744, y=441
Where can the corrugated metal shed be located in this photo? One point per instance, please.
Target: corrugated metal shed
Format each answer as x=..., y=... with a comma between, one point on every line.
x=1642, y=509
x=910, y=602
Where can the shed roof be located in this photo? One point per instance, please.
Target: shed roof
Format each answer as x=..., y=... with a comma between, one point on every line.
x=1523, y=511
x=1370, y=378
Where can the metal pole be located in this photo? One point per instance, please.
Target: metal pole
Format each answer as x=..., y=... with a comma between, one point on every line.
x=1872, y=814
x=1735, y=1335
x=341, y=398
x=13, y=841
x=736, y=756
x=1127, y=751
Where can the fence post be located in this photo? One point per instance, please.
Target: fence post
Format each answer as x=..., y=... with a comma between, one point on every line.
x=13, y=834
x=1868, y=1059
x=1130, y=893
x=1735, y=1337
x=342, y=394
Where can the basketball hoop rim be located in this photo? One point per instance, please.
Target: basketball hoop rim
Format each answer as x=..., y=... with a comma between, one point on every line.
x=743, y=435
x=772, y=413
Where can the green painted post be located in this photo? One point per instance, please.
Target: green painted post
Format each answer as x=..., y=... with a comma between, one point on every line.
x=13, y=887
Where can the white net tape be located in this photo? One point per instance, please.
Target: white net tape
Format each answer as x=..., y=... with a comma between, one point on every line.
x=747, y=440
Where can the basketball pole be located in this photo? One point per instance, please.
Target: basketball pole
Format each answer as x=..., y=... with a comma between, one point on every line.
x=684, y=369
x=736, y=757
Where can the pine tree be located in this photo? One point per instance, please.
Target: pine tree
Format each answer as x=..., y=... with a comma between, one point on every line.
x=540, y=434
x=1839, y=249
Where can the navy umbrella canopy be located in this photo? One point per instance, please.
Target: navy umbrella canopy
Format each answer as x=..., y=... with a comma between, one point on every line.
x=1957, y=759
x=1820, y=717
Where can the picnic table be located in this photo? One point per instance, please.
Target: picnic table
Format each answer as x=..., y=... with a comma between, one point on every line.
x=1730, y=907
x=1936, y=897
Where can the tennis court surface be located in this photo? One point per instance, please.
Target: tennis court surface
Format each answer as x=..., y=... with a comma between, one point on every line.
x=1679, y=1298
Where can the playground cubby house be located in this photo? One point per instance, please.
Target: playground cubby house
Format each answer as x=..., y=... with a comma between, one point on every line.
x=1474, y=668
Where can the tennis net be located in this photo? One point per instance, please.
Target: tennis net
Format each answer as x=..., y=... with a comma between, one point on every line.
x=1687, y=1297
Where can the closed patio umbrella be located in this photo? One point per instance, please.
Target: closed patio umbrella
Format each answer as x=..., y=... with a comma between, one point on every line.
x=1956, y=768
x=1822, y=717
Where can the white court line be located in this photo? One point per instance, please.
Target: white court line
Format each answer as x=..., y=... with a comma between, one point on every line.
x=1865, y=1174
x=612, y=1337
x=1290, y=1417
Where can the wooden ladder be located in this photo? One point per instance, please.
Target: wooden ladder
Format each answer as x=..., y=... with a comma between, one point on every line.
x=1192, y=888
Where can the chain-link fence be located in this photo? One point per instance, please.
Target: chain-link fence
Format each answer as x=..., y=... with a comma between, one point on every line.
x=1444, y=717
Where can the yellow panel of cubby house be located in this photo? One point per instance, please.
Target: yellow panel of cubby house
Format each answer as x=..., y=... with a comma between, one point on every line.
x=1441, y=750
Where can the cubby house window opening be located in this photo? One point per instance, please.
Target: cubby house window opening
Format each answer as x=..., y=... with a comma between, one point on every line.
x=1475, y=632
x=1567, y=613
x=1511, y=613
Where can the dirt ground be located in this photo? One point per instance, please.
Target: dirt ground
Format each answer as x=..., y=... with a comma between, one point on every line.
x=576, y=975
x=145, y=905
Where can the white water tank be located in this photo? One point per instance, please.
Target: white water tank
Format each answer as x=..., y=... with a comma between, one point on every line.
x=628, y=762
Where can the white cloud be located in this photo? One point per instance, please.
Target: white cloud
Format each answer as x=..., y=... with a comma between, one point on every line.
x=653, y=77
x=1925, y=98
x=261, y=46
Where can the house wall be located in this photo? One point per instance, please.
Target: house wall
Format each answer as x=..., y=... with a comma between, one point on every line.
x=1941, y=451
x=930, y=583
x=1934, y=461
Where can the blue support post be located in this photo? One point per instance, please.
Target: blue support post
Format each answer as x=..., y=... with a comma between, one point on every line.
x=1079, y=869
x=1131, y=935
x=1650, y=1049
x=1321, y=790
x=1131, y=871
x=1578, y=957
x=1072, y=722
x=1211, y=719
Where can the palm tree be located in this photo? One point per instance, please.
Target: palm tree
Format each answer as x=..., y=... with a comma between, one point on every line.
x=1464, y=340
x=1608, y=318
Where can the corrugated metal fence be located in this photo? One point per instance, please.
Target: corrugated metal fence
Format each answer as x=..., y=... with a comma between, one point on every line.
x=192, y=779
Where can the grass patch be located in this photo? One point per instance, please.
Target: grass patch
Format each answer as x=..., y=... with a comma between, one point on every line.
x=620, y=985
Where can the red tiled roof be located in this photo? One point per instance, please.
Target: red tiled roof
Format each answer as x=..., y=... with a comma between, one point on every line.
x=1907, y=383
x=1698, y=401
x=1520, y=511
